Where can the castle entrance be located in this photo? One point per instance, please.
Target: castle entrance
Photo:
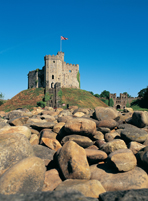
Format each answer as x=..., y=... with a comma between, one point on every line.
x=118, y=107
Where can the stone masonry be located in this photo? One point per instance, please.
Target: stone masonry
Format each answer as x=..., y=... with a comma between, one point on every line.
x=55, y=70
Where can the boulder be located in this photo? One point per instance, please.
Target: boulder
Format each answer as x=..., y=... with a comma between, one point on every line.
x=136, y=178
x=58, y=127
x=133, y=134
x=39, y=124
x=3, y=124
x=95, y=156
x=89, y=188
x=13, y=148
x=113, y=145
x=73, y=162
x=111, y=136
x=52, y=180
x=78, y=114
x=51, y=143
x=128, y=109
x=82, y=141
x=24, y=177
x=43, y=152
x=135, y=147
x=34, y=140
x=81, y=126
x=16, y=129
x=47, y=117
x=98, y=136
x=129, y=195
x=123, y=159
x=19, y=121
x=111, y=124
x=140, y=118
x=102, y=113
x=65, y=113
x=64, y=119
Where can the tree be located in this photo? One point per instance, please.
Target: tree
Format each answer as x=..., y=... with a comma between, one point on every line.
x=105, y=94
x=91, y=93
x=97, y=95
x=111, y=102
x=129, y=96
x=142, y=92
x=1, y=95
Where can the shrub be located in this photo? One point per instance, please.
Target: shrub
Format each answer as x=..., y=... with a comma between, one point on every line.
x=127, y=104
x=47, y=97
x=41, y=104
x=105, y=101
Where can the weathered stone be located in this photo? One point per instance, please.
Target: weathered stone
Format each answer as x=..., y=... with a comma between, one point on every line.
x=123, y=159
x=95, y=156
x=16, y=129
x=64, y=113
x=13, y=148
x=140, y=118
x=103, y=130
x=102, y=113
x=107, y=123
x=34, y=139
x=113, y=145
x=100, y=143
x=66, y=195
x=19, y=121
x=3, y=124
x=98, y=136
x=81, y=126
x=52, y=180
x=92, y=147
x=78, y=114
x=36, y=111
x=129, y=195
x=128, y=109
x=89, y=188
x=73, y=162
x=135, y=147
x=43, y=152
x=134, y=134
x=58, y=127
x=48, y=117
x=64, y=119
x=136, y=178
x=82, y=141
x=111, y=136
x=51, y=143
x=40, y=124
x=14, y=114
x=25, y=176
x=84, y=110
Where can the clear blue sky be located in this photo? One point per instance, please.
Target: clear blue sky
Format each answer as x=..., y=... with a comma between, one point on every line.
x=107, y=38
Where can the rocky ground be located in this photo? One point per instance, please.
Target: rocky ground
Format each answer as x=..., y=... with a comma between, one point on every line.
x=73, y=154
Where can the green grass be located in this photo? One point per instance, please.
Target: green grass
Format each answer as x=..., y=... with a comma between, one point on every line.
x=137, y=107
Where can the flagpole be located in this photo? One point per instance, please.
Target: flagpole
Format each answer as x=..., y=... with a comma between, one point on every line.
x=60, y=44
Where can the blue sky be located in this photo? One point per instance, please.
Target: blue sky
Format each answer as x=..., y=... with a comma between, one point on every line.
x=107, y=38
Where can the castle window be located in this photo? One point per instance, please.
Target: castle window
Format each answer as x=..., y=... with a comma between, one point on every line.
x=53, y=61
x=70, y=71
x=52, y=76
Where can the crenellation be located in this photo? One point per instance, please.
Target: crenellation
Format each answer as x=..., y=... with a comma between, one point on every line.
x=55, y=70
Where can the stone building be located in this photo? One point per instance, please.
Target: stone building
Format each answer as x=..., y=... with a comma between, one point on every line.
x=121, y=102
x=55, y=70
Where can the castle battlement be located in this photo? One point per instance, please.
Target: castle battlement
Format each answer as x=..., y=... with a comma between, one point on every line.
x=55, y=70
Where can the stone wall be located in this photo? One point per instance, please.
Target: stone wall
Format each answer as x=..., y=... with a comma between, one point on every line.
x=36, y=78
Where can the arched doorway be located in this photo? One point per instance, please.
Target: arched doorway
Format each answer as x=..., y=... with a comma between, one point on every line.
x=118, y=107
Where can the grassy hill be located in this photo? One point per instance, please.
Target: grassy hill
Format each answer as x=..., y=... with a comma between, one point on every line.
x=29, y=98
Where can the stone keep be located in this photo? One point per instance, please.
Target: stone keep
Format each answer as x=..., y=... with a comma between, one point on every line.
x=55, y=70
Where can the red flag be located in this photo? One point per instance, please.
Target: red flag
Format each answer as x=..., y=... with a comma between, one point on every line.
x=63, y=38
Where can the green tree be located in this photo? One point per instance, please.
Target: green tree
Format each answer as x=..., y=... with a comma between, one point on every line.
x=127, y=104
x=142, y=92
x=111, y=102
x=97, y=95
x=105, y=101
x=1, y=95
x=129, y=96
x=105, y=94
x=91, y=93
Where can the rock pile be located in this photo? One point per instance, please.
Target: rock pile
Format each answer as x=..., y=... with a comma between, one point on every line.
x=76, y=151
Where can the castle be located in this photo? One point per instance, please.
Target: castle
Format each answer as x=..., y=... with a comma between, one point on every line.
x=121, y=102
x=56, y=70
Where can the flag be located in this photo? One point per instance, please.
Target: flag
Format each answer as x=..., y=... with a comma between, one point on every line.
x=63, y=38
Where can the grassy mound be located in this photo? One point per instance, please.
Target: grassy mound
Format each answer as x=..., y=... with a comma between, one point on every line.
x=29, y=98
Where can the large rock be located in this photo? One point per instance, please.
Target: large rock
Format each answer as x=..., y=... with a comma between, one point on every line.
x=123, y=159
x=52, y=180
x=81, y=126
x=43, y=152
x=19, y=121
x=51, y=143
x=95, y=156
x=129, y=195
x=133, y=134
x=58, y=127
x=73, y=162
x=113, y=145
x=24, y=177
x=136, y=178
x=111, y=136
x=140, y=119
x=107, y=123
x=89, y=188
x=135, y=147
x=83, y=141
x=13, y=148
x=16, y=129
x=46, y=196
x=102, y=113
